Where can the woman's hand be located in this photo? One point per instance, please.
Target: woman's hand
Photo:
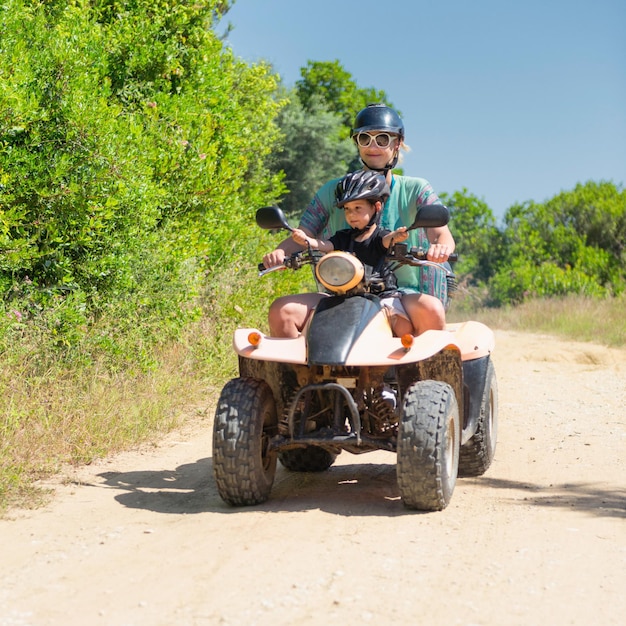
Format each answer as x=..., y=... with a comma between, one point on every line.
x=441, y=244
x=438, y=253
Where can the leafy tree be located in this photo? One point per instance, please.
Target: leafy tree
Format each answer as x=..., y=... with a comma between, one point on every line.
x=330, y=82
x=478, y=240
x=312, y=151
x=574, y=243
x=596, y=211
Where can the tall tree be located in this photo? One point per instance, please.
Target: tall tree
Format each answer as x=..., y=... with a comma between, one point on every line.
x=329, y=82
x=478, y=240
x=312, y=151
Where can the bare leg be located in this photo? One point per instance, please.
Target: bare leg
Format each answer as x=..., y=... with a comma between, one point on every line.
x=401, y=326
x=425, y=312
x=287, y=315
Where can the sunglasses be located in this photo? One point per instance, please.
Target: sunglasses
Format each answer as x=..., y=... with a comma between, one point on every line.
x=383, y=140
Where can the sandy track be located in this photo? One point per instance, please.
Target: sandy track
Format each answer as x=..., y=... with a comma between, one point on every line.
x=143, y=538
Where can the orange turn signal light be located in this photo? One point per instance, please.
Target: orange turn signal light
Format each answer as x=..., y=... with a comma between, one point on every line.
x=254, y=339
x=407, y=341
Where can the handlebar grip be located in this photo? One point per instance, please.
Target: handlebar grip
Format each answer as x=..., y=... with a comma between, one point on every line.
x=421, y=255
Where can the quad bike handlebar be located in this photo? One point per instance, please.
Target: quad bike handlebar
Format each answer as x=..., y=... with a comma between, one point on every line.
x=293, y=262
x=399, y=255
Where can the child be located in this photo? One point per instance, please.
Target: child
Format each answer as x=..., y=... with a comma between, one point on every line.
x=362, y=195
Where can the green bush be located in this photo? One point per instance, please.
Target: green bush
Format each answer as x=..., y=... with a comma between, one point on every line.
x=524, y=280
x=132, y=157
x=574, y=243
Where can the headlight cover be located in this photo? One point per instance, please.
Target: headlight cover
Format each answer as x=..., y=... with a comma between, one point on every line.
x=339, y=271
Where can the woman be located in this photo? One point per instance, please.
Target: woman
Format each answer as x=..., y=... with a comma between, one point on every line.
x=379, y=136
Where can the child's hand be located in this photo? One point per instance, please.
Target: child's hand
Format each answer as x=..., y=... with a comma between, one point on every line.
x=400, y=234
x=299, y=236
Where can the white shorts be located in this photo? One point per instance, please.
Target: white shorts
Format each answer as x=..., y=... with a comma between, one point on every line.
x=394, y=304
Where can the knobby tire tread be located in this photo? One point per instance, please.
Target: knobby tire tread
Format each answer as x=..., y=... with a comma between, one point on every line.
x=244, y=473
x=421, y=469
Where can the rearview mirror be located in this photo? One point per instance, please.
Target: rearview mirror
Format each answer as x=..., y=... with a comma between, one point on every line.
x=430, y=216
x=271, y=218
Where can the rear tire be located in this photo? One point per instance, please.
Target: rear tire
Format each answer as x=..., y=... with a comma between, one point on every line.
x=477, y=454
x=428, y=446
x=309, y=459
x=245, y=421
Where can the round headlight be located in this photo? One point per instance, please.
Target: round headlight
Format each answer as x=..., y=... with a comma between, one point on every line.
x=339, y=271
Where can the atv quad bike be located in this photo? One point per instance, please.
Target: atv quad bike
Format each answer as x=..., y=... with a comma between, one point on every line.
x=305, y=400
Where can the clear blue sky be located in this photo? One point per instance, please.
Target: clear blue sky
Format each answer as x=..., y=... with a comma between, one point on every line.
x=512, y=100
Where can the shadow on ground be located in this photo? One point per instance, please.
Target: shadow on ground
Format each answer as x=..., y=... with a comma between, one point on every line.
x=585, y=497
x=351, y=489
x=354, y=489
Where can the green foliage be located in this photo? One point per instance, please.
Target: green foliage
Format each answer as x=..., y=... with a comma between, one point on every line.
x=574, y=243
x=312, y=151
x=330, y=82
x=523, y=279
x=478, y=240
x=132, y=156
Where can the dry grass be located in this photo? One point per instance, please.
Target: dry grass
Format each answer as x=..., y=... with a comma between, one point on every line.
x=62, y=416
x=571, y=317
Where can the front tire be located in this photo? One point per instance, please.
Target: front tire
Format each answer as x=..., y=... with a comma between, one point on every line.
x=428, y=446
x=477, y=454
x=245, y=421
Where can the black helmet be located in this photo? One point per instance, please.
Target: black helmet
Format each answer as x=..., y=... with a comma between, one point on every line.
x=378, y=117
x=361, y=185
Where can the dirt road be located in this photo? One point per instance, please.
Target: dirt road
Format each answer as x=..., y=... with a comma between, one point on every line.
x=143, y=538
